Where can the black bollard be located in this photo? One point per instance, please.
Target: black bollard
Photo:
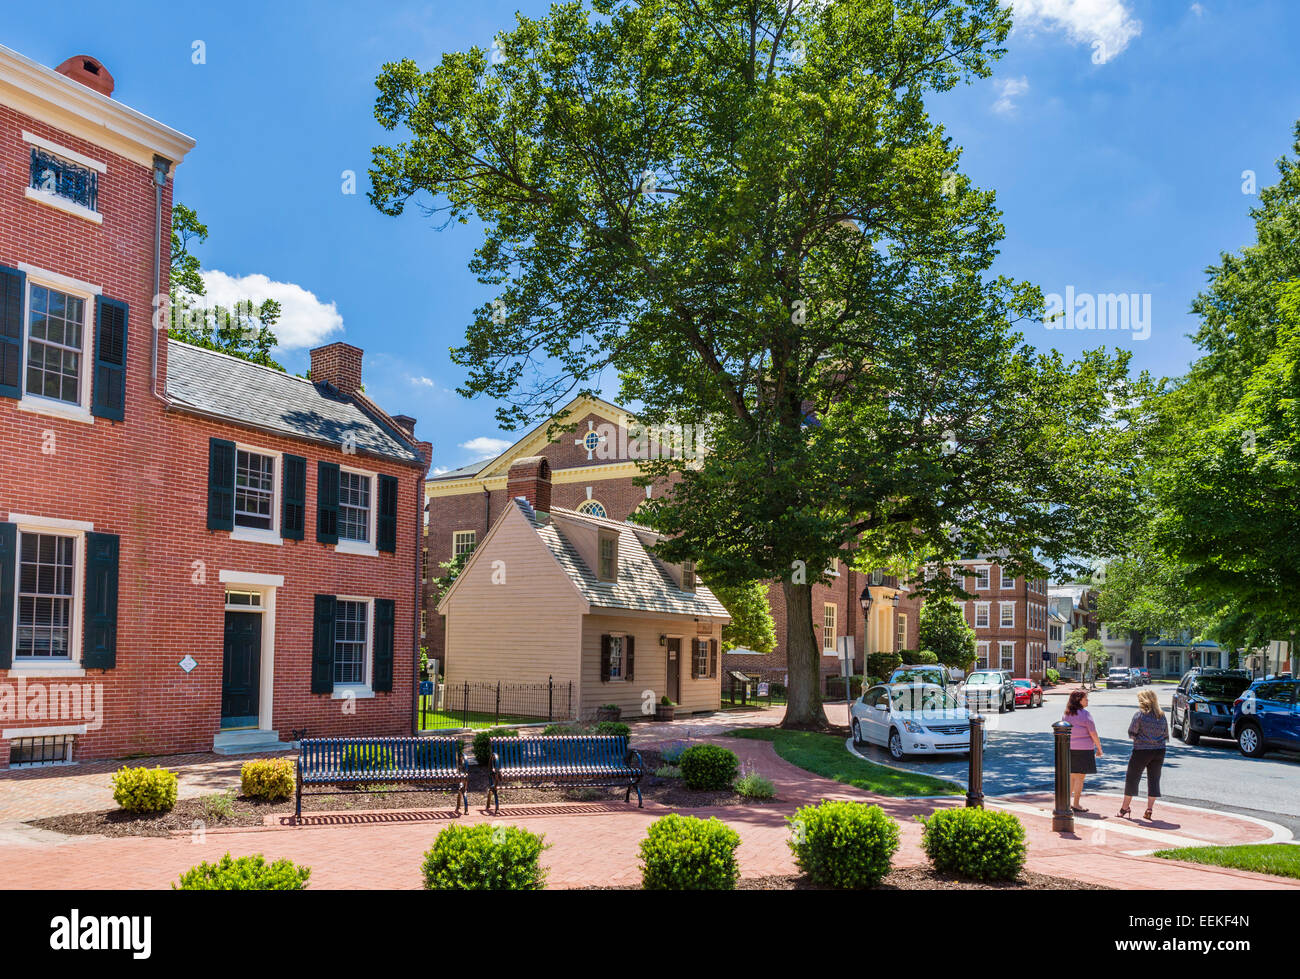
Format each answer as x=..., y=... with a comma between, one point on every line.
x=1062, y=815
x=975, y=783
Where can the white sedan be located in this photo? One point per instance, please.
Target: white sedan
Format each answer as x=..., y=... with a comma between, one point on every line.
x=912, y=719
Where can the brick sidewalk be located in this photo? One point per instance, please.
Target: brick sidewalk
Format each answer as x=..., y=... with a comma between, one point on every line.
x=596, y=843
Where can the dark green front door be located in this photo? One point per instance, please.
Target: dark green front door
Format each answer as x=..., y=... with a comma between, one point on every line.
x=241, y=671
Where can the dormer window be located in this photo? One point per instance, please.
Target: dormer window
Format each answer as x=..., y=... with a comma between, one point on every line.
x=688, y=576
x=608, y=570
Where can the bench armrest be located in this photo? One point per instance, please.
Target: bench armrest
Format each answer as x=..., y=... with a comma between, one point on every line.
x=633, y=753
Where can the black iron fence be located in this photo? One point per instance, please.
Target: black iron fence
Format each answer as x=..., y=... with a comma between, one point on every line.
x=478, y=704
x=753, y=688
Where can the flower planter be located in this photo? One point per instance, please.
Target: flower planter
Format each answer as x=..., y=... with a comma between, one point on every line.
x=665, y=713
x=606, y=714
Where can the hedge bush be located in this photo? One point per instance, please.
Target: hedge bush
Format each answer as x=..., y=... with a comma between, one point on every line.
x=367, y=758
x=708, y=767
x=483, y=745
x=755, y=786
x=268, y=778
x=685, y=853
x=925, y=657
x=144, y=789
x=616, y=728
x=244, y=874
x=883, y=664
x=845, y=845
x=485, y=858
x=1053, y=676
x=975, y=843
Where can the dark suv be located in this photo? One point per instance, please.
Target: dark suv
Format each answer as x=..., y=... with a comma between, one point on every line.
x=1203, y=703
x=1268, y=716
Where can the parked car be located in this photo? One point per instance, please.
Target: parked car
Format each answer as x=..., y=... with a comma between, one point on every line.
x=912, y=719
x=921, y=673
x=1146, y=674
x=1139, y=678
x=1028, y=693
x=1267, y=716
x=1118, y=677
x=1203, y=703
x=984, y=688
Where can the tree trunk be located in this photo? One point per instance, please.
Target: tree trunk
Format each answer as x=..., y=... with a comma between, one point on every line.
x=803, y=709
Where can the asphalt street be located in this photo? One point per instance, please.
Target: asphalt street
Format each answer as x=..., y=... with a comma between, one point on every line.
x=1018, y=757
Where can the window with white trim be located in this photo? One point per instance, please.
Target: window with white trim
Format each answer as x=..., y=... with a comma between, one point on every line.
x=1007, y=655
x=981, y=579
x=982, y=655
x=616, y=657
x=1006, y=614
x=254, y=490
x=355, y=506
x=607, y=549
x=902, y=632
x=830, y=613
x=47, y=594
x=593, y=508
x=463, y=542
x=351, y=641
x=688, y=576
x=1008, y=580
x=701, y=657
x=981, y=615
x=56, y=344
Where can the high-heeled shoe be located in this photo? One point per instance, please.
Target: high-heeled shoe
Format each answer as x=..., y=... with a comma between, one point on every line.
x=1126, y=810
x=1147, y=815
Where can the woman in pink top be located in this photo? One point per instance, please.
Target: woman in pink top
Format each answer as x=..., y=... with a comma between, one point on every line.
x=1085, y=746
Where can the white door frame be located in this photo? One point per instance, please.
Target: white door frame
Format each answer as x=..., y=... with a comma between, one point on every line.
x=266, y=585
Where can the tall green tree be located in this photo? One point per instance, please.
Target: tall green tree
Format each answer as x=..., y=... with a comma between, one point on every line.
x=944, y=632
x=751, y=625
x=244, y=330
x=743, y=208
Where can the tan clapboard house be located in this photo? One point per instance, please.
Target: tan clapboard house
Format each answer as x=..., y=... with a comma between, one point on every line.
x=554, y=593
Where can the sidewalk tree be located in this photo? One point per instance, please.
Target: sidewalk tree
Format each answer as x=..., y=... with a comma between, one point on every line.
x=744, y=210
x=751, y=625
x=944, y=632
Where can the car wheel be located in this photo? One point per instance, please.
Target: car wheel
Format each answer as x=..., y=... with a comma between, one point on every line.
x=1011, y=704
x=895, y=744
x=1038, y=701
x=857, y=732
x=1251, y=741
x=1179, y=731
x=1192, y=737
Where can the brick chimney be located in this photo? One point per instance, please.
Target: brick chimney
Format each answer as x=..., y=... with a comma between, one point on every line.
x=530, y=477
x=405, y=422
x=89, y=71
x=338, y=365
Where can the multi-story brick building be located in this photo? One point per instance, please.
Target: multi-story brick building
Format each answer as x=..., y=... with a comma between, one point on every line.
x=1009, y=615
x=195, y=551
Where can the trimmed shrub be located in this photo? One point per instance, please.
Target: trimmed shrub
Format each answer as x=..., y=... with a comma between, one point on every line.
x=615, y=728
x=672, y=753
x=244, y=874
x=883, y=664
x=926, y=657
x=845, y=845
x=483, y=745
x=1053, y=676
x=975, y=843
x=367, y=758
x=485, y=858
x=144, y=789
x=554, y=729
x=685, y=853
x=755, y=786
x=709, y=767
x=267, y=778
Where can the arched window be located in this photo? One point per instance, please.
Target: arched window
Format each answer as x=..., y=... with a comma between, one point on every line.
x=593, y=508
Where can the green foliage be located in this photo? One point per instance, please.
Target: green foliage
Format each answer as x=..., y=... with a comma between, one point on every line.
x=668, y=771
x=616, y=728
x=708, y=767
x=367, y=758
x=144, y=789
x=684, y=853
x=672, y=752
x=927, y=658
x=483, y=742
x=751, y=626
x=883, y=664
x=845, y=845
x=975, y=843
x=218, y=806
x=666, y=701
x=268, y=778
x=754, y=786
x=485, y=858
x=944, y=632
x=1053, y=675
x=251, y=873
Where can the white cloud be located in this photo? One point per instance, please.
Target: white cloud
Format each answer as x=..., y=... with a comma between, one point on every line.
x=1009, y=89
x=1197, y=9
x=484, y=446
x=1105, y=25
x=304, y=320
x=425, y=382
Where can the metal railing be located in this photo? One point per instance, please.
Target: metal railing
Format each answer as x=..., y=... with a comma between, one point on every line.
x=478, y=704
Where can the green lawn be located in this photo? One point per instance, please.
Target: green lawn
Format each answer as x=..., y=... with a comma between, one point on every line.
x=1279, y=859
x=825, y=755
x=430, y=719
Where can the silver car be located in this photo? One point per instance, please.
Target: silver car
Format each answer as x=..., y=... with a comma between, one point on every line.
x=985, y=689
x=911, y=719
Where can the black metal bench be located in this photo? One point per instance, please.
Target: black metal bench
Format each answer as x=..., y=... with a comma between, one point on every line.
x=563, y=762
x=432, y=763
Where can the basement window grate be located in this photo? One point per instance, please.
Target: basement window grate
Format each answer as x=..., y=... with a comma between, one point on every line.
x=50, y=749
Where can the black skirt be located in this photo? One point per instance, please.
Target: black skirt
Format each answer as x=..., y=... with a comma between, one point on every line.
x=1083, y=761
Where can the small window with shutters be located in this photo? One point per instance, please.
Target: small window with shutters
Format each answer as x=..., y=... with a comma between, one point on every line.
x=616, y=657
x=701, y=658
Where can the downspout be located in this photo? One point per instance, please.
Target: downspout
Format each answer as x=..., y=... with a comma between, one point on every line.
x=161, y=167
x=419, y=597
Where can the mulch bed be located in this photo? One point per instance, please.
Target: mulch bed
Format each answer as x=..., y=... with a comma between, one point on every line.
x=253, y=812
x=913, y=879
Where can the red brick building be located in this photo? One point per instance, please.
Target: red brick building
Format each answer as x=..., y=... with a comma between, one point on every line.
x=1010, y=618
x=195, y=552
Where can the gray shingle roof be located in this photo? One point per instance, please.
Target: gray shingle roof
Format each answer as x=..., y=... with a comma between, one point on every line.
x=643, y=583
x=267, y=399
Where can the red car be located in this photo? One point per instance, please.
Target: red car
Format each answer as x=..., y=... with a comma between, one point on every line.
x=1028, y=693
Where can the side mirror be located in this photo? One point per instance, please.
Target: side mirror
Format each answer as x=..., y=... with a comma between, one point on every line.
x=882, y=707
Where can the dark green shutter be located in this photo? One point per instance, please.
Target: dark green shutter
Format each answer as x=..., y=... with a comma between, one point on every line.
x=386, y=532
x=8, y=565
x=11, y=332
x=327, y=502
x=630, y=645
x=221, y=485
x=713, y=658
x=293, y=510
x=322, y=645
x=101, y=602
x=604, y=659
x=384, y=616
x=109, y=397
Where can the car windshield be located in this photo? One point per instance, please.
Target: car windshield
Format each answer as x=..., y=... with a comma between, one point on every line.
x=923, y=697
x=1223, y=687
x=984, y=678
x=1023, y=684
x=916, y=675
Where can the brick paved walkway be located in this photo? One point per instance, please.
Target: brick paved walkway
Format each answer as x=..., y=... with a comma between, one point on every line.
x=596, y=843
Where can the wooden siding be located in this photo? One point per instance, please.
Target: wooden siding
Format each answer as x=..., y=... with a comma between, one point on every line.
x=651, y=666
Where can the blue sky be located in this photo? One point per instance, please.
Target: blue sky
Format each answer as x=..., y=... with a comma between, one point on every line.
x=1115, y=132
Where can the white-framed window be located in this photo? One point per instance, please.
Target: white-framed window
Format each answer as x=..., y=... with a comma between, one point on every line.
x=1007, y=655
x=357, y=506
x=982, y=655
x=58, y=348
x=254, y=489
x=902, y=632
x=701, y=650
x=607, y=549
x=593, y=508
x=240, y=600
x=463, y=542
x=1006, y=614
x=616, y=657
x=353, y=640
x=833, y=568
x=1008, y=580
x=981, y=579
x=49, y=594
x=830, y=614
x=981, y=615
x=688, y=576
